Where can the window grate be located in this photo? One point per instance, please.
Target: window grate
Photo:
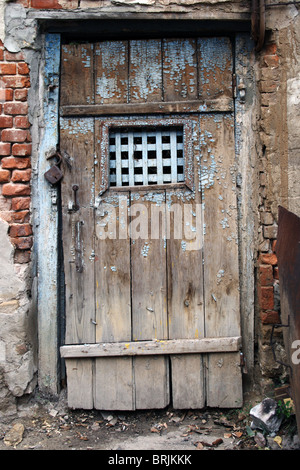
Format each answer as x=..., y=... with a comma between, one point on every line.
x=140, y=157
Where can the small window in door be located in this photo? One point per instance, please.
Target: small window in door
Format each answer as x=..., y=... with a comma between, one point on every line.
x=146, y=156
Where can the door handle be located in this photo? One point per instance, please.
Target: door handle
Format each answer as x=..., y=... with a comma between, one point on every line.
x=75, y=188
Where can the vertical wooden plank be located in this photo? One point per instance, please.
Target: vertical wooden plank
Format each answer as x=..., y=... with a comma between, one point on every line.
x=77, y=139
x=224, y=380
x=221, y=270
x=152, y=384
x=246, y=161
x=77, y=64
x=148, y=266
x=80, y=383
x=45, y=240
x=149, y=296
x=113, y=302
x=215, y=62
x=179, y=69
x=187, y=381
x=111, y=72
x=114, y=388
x=145, y=74
x=185, y=286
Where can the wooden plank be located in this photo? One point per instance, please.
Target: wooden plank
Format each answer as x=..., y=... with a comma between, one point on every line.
x=221, y=270
x=112, y=276
x=187, y=382
x=215, y=66
x=46, y=239
x=179, y=70
x=114, y=388
x=152, y=384
x=148, y=266
x=80, y=383
x=145, y=75
x=224, y=380
x=76, y=84
x=78, y=229
x=185, y=286
x=176, y=107
x=148, y=348
x=111, y=72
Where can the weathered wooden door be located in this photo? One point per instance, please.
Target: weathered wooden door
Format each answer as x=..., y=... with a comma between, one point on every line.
x=150, y=224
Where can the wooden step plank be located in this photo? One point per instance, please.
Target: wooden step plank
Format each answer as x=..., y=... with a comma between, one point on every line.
x=144, y=348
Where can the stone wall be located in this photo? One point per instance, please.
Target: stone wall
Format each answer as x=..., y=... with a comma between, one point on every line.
x=277, y=157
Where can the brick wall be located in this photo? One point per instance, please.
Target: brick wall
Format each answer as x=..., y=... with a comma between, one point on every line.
x=271, y=86
x=15, y=151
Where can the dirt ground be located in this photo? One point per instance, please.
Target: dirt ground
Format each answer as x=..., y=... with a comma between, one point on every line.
x=50, y=425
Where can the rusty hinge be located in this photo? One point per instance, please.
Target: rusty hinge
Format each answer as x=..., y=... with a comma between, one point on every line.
x=243, y=363
x=234, y=85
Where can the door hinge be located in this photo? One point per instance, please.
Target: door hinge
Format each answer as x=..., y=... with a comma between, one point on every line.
x=243, y=363
x=234, y=85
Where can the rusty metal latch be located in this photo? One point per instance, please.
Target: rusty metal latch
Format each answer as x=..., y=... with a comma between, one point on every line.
x=273, y=343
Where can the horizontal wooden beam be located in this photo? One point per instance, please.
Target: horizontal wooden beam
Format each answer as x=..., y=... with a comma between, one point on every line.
x=221, y=104
x=146, y=348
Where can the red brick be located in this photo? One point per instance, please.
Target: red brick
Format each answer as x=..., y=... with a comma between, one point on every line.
x=1, y=53
x=14, y=56
x=20, y=230
x=17, y=81
x=20, y=217
x=6, y=94
x=21, y=122
x=21, y=94
x=270, y=318
x=18, y=163
x=271, y=49
x=268, y=258
x=22, y=243
x=20, y=203
x=15, y=108
x=266, y=275
x=21, y=150
x=21, y=176
x=4, y=149
x=266, y=297
x=13, y=135
x=276, y=273
x=271, y=60
x=23, y=68
x=22, y=257
x=8, y=69
x=6, y=121
x=4, y=176
x=11, y=189
x=53, y=4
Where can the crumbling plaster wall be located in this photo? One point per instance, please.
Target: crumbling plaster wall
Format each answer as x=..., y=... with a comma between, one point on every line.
x=277, y=157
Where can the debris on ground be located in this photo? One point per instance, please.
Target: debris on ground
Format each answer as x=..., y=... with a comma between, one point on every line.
x=42, y=425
